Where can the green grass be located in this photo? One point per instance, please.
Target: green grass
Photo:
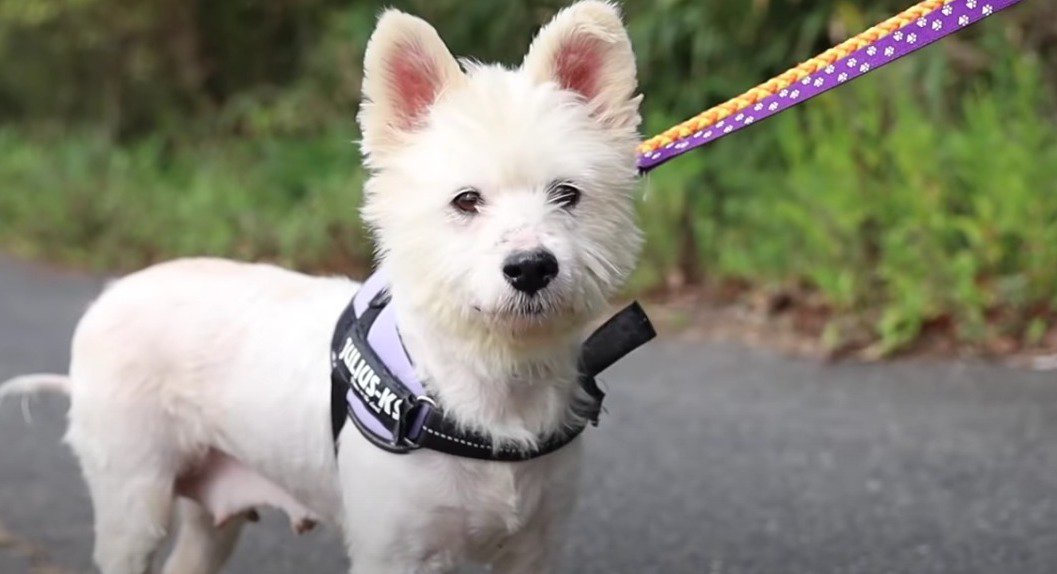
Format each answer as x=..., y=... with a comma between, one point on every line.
x=897, y=209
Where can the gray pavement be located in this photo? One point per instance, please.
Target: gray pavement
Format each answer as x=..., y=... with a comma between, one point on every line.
x=711, y=459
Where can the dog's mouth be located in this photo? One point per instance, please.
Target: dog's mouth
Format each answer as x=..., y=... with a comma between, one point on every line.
x=524, y=309
x=530, y=308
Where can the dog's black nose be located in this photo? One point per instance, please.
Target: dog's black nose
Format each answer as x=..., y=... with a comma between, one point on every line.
x=530, y=271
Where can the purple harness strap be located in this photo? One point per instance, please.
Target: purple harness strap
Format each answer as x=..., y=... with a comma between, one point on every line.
x=384, y=339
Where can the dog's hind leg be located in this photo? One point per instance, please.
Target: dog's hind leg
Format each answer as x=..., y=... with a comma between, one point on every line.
x=130, y=462
x=202, y=547
x=132, y=513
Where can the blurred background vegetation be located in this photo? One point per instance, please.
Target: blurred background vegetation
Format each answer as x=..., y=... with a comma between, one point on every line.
x=920, y=198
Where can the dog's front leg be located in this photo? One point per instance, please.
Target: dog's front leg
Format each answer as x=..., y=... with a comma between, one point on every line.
x=527, y=555
x=534, y=562
x=387, y=550
x=388, y=564
x=533, y=550
x=382, y=553
x=391, y=519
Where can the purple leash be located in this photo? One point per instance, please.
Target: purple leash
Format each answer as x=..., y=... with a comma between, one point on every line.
x=938, y=19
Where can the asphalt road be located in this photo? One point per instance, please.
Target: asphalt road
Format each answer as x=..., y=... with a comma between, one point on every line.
x=712, y=459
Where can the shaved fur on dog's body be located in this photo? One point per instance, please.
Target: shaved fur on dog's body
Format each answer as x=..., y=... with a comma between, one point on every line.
x=206, y=381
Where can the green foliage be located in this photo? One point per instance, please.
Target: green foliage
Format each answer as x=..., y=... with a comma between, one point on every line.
x=139, y=66
x=84, y=200
x=138, y=131
x=894, y=214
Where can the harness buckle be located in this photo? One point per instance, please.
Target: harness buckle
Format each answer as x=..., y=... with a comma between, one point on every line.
x=409, y=412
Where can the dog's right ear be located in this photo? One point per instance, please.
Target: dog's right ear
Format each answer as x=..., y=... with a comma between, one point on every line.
x=406, y=68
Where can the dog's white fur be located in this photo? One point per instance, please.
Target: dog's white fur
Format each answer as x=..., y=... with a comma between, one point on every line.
x=210, y=379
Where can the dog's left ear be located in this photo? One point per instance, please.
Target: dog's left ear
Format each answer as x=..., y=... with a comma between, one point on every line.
x=586, y=49
x=405, y=69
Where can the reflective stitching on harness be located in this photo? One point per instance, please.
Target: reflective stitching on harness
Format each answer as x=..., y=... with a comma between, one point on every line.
x=456, y=439
x=508, y=449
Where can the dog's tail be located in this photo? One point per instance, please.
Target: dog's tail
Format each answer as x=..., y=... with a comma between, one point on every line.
x=33, y=384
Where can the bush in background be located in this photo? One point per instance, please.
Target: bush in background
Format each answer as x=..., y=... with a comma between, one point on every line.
x=84, y=200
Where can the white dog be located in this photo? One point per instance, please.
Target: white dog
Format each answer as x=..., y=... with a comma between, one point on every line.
x=501, y=201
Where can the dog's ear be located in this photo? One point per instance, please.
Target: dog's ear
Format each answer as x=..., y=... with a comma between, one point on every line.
x=406, y=68
x=586, y=49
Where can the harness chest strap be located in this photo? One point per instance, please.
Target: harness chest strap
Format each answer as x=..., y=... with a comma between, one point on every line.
x=373, y=382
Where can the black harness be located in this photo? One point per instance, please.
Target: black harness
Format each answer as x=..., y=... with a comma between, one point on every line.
x=373, y=382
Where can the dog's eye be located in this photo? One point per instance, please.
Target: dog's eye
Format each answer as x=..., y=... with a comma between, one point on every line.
x=565, y=195
x=469, y=201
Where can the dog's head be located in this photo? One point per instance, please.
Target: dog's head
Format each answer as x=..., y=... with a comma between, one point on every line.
x=502, y=199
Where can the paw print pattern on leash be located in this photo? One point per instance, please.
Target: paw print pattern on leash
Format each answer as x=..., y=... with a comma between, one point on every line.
x=916, y=27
